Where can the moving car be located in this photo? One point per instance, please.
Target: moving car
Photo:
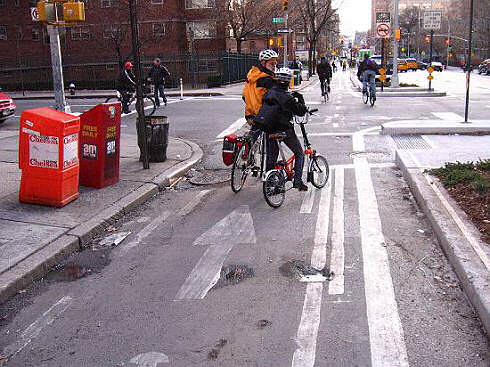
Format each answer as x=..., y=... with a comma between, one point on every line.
x=412, y=64
x=7, y=106
x=422, y=65
x=437, y=65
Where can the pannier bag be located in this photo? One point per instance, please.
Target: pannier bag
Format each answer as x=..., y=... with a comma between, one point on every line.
x=228, y=151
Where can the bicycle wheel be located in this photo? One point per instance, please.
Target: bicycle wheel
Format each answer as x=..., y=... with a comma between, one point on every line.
x=318, y=171
x=365, y=97
x=149, y=105
x=239, y=170
x=274, y=188
x=372, y=99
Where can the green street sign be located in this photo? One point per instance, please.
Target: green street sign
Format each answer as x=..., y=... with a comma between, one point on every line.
x=277, y=20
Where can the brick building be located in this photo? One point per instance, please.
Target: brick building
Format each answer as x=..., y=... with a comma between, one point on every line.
x=170, y=29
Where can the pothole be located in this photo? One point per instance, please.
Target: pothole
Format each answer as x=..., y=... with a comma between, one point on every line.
x=233, y=274
x=209, y=177
x=305, y=273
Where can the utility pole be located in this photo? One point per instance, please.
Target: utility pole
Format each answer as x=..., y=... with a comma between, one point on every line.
x=395, y=83
x=448, y=40
x=56, y=65
x=430, y=55
x=286, y=40
x=140, y=124
x=468, y=65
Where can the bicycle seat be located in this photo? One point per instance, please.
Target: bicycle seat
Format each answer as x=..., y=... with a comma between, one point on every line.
x=277, y=136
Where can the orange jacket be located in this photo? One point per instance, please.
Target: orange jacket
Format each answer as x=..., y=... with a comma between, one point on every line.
x=259, y=81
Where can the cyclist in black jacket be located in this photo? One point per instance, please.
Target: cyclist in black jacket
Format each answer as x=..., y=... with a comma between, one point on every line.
x=127, y=85
x=324, y=71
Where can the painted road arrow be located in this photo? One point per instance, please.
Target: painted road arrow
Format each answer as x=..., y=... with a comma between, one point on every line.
x=150, y=359
x=236, y=228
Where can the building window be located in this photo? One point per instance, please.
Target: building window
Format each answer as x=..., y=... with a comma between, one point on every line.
x=158, y=29
x=112, y=32
x=199, y=4
x=36, y=34
x=80, y=33
x=202, y=30
x=3, y=32
x=156, y=2
x=252, y=46
x=109, y=3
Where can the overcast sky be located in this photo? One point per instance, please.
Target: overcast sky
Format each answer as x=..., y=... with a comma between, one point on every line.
x=355, y=15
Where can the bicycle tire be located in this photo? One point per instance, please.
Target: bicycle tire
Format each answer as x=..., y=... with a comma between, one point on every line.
x=112, y=99
x=149, y=105
x=365, y=97
x=274, y=188
x=319, y=164
x=372, y=99
x=239, y=170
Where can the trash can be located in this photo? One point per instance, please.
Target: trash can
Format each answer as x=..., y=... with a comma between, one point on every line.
x=157, y=137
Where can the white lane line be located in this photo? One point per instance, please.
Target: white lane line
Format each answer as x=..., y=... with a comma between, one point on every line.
x=336, y=286
x=308, y=200
x=471, y=239
x=33, y=330
x=385, y=328
x=448, y=116
x=158, y=221
x=236, y=228
x=304, y=355
x=335, y=124
x=232, y=128
x=169, y=102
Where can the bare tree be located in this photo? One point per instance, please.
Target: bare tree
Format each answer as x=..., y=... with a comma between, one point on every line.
x=245, y=17
x=315, y=17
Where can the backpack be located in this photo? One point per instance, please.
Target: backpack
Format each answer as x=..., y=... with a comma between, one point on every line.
x=268, y=116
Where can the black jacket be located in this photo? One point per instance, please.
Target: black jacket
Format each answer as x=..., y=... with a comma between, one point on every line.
x=278, y=108
x=127, y=80
x=363, y=66
x=158, y=74
x=324, y=70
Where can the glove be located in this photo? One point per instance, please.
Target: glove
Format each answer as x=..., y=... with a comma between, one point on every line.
x=299, y=97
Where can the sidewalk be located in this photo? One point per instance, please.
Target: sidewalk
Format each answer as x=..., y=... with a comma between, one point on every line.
x=33, y=238
x=458, y=237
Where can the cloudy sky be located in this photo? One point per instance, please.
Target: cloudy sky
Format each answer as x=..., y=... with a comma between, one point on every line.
x=355, y=15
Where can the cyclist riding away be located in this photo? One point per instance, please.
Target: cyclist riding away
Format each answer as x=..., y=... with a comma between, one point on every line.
x=276, y=114
x=367, y=72
x=334, y=66
x=127, y=85
x=324, y=71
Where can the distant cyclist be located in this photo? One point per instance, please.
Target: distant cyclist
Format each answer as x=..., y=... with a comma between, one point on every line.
x=324, y=71
x=127, y=85
x=367, y=72
x=334, y=66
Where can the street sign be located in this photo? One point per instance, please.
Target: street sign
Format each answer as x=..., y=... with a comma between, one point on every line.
x=432, y=19
x=382, y=78
x=284, y=30
x=430, y=69
x=277, y=20
x=383, y=17
x=430, y=77
x=383, y=30
x=382, y=71
x=35, y=14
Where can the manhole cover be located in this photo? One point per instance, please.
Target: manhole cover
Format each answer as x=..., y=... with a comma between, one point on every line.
x=233, y=274
x=210, y=177
x=304, y=272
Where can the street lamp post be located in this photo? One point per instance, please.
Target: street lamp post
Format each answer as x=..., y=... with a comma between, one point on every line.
x=395, y=83
x=468, y=65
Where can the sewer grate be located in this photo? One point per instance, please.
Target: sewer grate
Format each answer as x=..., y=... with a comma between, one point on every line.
x=411, y=142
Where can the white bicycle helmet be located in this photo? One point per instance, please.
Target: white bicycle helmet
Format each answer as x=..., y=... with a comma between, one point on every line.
x=284, y=75
x=268, y=54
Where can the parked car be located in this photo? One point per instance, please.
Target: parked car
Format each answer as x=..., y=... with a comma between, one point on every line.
x=7, y=106
x=422, y=65
x=437, y=65
x=402, y=65
x=412, y=64
x=484, y=67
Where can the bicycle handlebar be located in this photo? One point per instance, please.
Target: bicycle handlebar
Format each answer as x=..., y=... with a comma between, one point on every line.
x=311, y=112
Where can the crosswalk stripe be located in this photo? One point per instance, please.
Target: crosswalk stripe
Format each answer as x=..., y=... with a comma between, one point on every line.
x=336, y=286
x=304, y=355
x=232, y=128
x=308, y=200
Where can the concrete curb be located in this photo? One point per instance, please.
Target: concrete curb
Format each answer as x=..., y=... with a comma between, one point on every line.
x=471, y=271
x=434, y=130
x=39, y=263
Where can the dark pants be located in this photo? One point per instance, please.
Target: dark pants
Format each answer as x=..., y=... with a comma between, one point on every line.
x=125, y=98
x=292, y=142
x=322, y=84
x=159, y=88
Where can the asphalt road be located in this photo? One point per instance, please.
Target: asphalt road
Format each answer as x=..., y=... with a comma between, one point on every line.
x=394, y=299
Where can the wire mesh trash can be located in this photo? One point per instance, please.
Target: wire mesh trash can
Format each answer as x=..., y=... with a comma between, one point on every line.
x=157, y=137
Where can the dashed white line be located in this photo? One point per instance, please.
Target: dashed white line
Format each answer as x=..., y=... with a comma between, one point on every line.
x=232, y=128
x=336, y=286
x=308, y=200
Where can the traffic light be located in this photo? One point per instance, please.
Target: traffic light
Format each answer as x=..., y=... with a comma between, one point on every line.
x=448, y=42
x=398, y=34
x=285, y=4
x=270, y=42
x=427, y=39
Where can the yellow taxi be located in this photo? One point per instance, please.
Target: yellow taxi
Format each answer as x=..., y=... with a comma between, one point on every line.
x=412, y=64
x=402, y=65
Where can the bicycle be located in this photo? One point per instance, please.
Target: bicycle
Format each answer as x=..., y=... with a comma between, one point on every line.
x=246, y=154
x=274, y=182
x=148, y=100
x=367, y=95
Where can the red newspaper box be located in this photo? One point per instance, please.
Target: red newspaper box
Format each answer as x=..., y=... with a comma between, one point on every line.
x=48, y=157
x=99, y=145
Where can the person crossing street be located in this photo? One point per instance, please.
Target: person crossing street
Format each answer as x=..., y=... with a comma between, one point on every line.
x=156, y=76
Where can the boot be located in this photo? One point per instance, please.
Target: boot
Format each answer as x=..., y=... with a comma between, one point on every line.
x=299, y=184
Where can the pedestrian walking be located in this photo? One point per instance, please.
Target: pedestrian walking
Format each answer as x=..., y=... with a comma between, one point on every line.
x=156, y=76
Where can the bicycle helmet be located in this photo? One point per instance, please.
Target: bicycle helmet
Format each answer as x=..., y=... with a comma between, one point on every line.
x=268, y=54
x=284, y=75
x=128, y=65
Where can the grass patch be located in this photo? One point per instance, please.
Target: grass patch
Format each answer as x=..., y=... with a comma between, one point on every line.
x=408, y=85
x=453, y=174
